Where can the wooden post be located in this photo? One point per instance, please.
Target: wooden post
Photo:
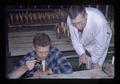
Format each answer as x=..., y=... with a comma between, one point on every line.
x=106, y=12
x=20, y=6
x=34, y=6
x=48, y=6
x=97, y=6
x=89, y=5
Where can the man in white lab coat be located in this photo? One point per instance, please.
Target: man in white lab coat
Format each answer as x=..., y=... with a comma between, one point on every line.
x=89, y=31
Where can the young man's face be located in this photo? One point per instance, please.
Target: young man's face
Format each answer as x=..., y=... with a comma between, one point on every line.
x=42, y=52
x=79, y=22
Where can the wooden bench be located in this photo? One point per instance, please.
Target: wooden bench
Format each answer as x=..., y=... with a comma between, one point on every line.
x=21, y=42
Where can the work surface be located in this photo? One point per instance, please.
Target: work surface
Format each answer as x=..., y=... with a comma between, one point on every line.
x=86, y=74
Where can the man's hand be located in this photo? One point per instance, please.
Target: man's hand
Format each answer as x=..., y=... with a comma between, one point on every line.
x=50, y=72
x=83, y=58
x=30, y=64
x=95, y=66
x=46, y=72
x=40, y=74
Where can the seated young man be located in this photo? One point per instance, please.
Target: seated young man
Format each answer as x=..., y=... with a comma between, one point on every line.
x=43, y=54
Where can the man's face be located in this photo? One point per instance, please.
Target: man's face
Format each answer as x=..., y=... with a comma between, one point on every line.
x=79, y=22
x=42, y=52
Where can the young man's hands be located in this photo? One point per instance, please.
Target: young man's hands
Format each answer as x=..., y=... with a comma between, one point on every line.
x=41, y=74
x=30, y=64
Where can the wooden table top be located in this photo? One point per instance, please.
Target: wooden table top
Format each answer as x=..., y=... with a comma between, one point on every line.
x=86, y=74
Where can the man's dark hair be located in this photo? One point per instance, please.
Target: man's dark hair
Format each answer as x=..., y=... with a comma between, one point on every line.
x=75, y=10
x=41, y=39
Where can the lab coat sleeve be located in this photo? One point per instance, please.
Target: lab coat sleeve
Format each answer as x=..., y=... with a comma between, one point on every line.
x=75, y=38
x=101, y=43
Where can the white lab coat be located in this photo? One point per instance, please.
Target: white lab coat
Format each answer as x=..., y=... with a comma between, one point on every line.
x=95, y=36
